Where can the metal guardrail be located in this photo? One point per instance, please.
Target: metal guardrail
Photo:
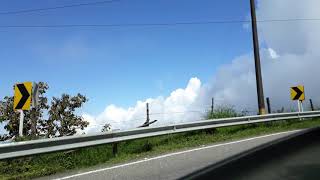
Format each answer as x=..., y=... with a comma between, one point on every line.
x=27, y=148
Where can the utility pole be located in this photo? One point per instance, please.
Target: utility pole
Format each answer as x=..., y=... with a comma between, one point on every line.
x=261, y=105
x=147, y=123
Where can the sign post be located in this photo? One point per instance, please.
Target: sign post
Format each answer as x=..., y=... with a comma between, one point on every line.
x=301, y=106
x=21, y=123
x=22, y=101
x=298, y=94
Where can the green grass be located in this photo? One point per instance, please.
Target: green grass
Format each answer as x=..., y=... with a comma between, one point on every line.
x=43, y=165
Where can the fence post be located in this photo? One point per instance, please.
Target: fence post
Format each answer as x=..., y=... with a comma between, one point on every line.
x=268, y=104
x=148, y=115
x=212, y=105
x=311, y=104
x=115, y=148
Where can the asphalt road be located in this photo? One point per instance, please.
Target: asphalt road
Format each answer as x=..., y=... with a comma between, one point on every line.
x=294, y=159
x=174, y=165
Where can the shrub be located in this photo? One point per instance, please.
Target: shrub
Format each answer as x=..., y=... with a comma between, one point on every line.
x=224, y=112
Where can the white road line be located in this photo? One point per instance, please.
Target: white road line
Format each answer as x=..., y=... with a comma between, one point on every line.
x=173, y=154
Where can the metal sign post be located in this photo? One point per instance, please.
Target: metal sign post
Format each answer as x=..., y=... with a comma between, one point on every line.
x=298, y=94
x=21, y=123
x=22, y=101
x=301, y=106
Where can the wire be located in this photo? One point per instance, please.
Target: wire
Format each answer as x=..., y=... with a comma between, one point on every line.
x=289, y=20
x=116, y=25
x=177, y=112
x=151, y=24
x=57, y=7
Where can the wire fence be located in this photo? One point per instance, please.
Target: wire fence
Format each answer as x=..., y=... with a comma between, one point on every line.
x=170, y=115
x=167, y=116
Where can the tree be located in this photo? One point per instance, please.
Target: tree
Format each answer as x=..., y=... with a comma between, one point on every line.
x=106, y=128
x=32, y=118
x=36, y=113
x=62, y=119
x=8, y=114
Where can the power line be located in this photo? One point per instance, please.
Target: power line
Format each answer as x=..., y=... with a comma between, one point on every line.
x=119, y=25
x=182, y=112
x=57, y=7
x=152, y=24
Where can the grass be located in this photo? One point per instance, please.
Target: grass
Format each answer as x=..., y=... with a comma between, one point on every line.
x=48, y=164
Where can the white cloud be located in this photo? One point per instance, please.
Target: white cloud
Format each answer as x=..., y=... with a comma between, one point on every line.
x=294, y=45
x=179, y=100
x=273, y=53
x=294, y=37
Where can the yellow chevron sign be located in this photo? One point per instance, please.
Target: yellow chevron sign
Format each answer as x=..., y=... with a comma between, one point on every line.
x=297, y=93
x=22, y=96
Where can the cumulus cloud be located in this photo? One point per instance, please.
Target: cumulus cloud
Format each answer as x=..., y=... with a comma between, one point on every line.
x=293, y=37
x=273, y=53
x=169, y=110
x=235, y=83
x=294, y=45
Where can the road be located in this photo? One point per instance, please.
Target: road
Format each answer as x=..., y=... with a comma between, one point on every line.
x=174, y=165
x=294, y=159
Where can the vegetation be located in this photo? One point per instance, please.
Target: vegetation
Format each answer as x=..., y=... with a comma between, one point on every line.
x=43, y=165
x=224, y=111
x=62, y=120
x=106, y=128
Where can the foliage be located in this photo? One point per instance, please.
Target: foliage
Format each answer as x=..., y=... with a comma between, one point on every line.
x=47, y=164
x=224, y=112
x=8, y=113
x=106, y=128
x=32, y=117
x=62, y=118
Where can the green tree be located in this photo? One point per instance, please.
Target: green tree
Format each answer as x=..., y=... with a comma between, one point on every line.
x=62, y=118
x=32, y=118
x=8, y=114
x=106, y=128
x=35, y=115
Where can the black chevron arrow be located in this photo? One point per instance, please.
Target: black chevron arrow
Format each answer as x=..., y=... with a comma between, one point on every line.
x=299, y=93
x=25, y=95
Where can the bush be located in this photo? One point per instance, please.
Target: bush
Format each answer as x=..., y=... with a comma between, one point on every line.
x=224, y=112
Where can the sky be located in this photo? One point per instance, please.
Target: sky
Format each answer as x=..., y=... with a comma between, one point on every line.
x=124, y=64
x=174, y=68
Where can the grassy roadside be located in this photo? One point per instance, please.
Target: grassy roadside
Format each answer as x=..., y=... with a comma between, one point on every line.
x=43, y=165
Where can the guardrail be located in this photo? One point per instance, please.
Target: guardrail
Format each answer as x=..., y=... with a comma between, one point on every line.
x=27, y=148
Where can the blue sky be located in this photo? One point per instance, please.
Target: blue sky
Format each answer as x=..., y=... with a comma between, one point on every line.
x=119, y=65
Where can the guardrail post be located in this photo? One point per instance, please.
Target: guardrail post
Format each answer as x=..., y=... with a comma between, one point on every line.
x=115, y=148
